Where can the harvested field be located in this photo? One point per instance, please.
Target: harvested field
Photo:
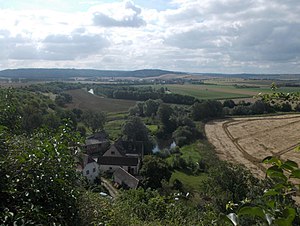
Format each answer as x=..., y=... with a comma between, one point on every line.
x=249, y=140
x=86, y=101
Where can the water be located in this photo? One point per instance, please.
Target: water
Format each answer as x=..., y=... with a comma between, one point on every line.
x=163, y=144
x=91, y=91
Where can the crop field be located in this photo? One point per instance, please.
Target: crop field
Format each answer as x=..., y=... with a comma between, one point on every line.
x=219, y=91
x=249, y=140
x=86, y=101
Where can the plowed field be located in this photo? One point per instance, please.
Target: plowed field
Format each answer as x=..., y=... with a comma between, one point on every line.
x=249, y=140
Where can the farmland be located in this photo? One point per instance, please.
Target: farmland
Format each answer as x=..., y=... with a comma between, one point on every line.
x=86, y=101
x=249, y=140
x=219, y=91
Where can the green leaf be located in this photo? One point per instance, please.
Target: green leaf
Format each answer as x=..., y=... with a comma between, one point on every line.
x=272, y=160
x=271, y=203
x=289, y=214
x=252, y=211
x=271, y=192
x=289, y=165
x=276, y=172
x=295, y=174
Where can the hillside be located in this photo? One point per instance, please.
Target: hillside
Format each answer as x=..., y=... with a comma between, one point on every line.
x=56, y=73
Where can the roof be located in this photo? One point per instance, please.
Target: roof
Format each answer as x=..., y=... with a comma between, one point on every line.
x=93, y=141
x=126, y=178
x=100, y=136
x=119, y=161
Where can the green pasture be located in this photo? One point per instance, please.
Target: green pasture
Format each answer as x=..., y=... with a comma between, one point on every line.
x=190, y=182
x=113, y=128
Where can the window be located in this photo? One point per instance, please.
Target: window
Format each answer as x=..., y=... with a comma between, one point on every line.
x=87, y=172
x=94, y=170
x=112, y=152
x=110, y=168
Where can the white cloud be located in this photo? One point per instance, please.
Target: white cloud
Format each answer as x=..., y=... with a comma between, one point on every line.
x=203, y=36
x=121, y=15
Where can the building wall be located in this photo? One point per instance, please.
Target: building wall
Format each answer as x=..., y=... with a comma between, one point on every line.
x=113, y=151
x=112, y=168
x=91, y=171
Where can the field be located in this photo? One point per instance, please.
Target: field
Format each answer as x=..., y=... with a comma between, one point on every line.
x=219, y=91
x=249, y=140
x=86, y=101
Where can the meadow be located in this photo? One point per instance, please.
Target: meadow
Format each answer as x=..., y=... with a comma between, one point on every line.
x=222, y=90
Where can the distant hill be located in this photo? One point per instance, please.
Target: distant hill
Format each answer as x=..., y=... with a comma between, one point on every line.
x=43, y=73
x=57, y=73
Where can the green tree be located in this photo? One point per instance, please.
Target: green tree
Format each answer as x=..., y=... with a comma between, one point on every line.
x=150, y=107
x=154, y=170
x=136, y=131
x=94, y=120
x=38, y=179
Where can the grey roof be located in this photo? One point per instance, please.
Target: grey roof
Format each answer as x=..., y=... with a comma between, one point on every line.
x=101, y=136
x=93, y=141
x=120, y=161
x=122, y=175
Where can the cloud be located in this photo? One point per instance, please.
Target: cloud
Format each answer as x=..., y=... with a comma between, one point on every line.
x=70, y=47
x=252, y=33
x=200, y=36
x=128, y=16
x=53, y=47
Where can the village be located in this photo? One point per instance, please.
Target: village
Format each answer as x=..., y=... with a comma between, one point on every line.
x=120, y=161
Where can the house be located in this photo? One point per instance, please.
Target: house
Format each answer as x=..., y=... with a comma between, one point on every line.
x=114, y=158
x=125, y=179
x=96, y=144
x=89, y=168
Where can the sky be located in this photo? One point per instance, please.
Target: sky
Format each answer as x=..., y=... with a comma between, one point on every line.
x=216, y=36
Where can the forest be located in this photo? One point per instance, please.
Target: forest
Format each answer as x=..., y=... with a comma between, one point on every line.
x=186, y=185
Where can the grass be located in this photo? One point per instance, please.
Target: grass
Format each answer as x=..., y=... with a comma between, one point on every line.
x=191, y=152
x=86, y=101
x=113, y=128
x=190, y=182
x=152, y=128
x=200, y=150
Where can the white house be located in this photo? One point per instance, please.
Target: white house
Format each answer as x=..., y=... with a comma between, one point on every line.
x=114, y=158
x=89, y=167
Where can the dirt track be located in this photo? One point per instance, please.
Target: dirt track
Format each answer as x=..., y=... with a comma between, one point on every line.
x=249, y=140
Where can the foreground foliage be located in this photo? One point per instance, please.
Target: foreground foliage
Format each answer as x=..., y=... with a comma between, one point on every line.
x=276, y=206
x=38, y=179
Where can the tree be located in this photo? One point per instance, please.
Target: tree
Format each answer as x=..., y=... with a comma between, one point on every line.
x=164, y=113
x=94, y=120
x=38, y=180
x=136, y=131
x=150, y=107
x=229, y=103
x=62, y=99
x=154, y=170
x=207, y=109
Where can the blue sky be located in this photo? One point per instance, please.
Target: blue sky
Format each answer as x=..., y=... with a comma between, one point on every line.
x=226, y=36
x=75, y=5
